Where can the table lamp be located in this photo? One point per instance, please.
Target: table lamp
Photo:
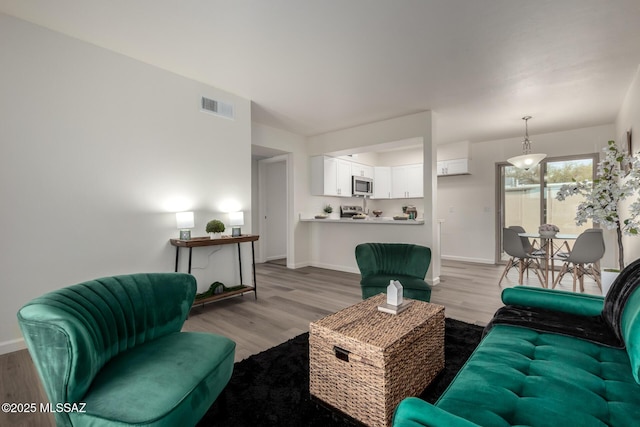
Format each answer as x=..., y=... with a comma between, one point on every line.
x=185, y=223
x=235, y=220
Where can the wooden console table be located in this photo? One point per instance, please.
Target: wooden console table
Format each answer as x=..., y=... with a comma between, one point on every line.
x=197, y=242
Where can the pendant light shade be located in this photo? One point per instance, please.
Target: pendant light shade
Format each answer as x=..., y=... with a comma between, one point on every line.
x=527, y=160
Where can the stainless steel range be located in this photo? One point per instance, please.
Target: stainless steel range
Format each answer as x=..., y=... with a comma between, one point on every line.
x=350, y=211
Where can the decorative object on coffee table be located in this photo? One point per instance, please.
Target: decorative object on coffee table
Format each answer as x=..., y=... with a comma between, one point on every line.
x=395, y=303
x=363, y=361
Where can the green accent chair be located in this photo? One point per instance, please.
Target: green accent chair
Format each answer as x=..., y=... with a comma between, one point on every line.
x=113, y=347
x=380, y=263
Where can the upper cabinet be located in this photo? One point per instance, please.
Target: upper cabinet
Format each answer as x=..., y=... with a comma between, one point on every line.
x=453, y=158
x=358, y=169
x=382, y=182
x=406, y=181
x=330, y=177
x=453, y=167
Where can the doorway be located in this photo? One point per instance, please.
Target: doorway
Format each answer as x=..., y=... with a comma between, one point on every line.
x=273, y=209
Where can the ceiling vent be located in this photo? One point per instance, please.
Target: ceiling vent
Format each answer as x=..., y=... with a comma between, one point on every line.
x=218, y=108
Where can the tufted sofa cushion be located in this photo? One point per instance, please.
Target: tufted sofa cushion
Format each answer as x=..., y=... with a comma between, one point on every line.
x=516, y=371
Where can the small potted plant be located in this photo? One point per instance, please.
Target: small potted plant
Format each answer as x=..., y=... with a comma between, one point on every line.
x=328, y=209
x=215, y=227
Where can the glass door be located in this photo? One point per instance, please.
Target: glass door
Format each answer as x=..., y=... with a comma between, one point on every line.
x=527, y=200
x=558, y=173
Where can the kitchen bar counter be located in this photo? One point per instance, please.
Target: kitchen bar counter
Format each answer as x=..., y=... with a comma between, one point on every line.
x=368, y=220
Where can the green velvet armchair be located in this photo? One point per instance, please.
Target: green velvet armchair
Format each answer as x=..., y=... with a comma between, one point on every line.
x=381, y=262
x=113, y=347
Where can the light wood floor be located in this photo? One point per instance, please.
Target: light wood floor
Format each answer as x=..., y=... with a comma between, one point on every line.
x=288, y=300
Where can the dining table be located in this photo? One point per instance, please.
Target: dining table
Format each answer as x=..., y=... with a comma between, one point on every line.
x=552, y=245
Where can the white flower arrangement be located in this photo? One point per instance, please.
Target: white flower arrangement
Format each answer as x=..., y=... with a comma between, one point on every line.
x=618, y=178
x=548, y=228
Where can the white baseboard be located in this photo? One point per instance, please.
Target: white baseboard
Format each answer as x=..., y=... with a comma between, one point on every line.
x=433, y=282
x=336, y=267
x=466, y=259
x=299, y=265
x=13, y=345
x=273, y=257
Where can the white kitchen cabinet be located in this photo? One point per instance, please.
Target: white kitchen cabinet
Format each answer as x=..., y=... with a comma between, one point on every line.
x=382, y=182
x=330, y=177
x=453, y=167
x=415, y=181
x=407, y=181
x=358, y=169
x=343, y=186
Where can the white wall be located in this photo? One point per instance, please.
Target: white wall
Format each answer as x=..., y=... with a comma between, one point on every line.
x=467, y=203
x=97, y=152
x=629, y=119
x=400, y=157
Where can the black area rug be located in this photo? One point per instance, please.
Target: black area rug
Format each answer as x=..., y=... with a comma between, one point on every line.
x=272, y=388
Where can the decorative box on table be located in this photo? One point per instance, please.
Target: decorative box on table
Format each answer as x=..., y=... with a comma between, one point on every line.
x=364, y=362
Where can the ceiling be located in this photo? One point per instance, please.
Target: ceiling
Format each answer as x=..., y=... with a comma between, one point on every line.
x=313, y=66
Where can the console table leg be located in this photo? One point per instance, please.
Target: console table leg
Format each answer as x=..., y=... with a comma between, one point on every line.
x=240, y=264
x=253, y=266
x=190, y=250
x=177, y=257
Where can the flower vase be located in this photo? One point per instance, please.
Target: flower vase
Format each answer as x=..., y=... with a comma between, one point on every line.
x=215, y=235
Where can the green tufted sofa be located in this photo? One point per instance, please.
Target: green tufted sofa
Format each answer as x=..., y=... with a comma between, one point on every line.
x=111, y=349
x=548, y=358
x=381, y=262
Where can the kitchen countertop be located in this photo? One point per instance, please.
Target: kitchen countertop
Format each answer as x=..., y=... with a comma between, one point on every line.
x=387, y=220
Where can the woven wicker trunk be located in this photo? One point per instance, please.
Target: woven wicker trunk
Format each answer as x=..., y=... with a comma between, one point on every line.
x=364, y=362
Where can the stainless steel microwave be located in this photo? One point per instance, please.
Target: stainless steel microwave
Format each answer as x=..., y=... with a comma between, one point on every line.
x=361, y=186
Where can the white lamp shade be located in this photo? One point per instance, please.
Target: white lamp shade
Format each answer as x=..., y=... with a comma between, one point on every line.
x=526, y=161
x=236, y=218
x=185, y=220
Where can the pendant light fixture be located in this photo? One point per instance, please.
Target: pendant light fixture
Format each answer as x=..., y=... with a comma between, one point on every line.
x=527, y=160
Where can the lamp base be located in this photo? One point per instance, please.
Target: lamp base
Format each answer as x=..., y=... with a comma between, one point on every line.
x=235, y=232
x=185, y=234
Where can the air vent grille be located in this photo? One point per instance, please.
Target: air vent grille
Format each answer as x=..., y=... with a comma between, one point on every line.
x=218, y=108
